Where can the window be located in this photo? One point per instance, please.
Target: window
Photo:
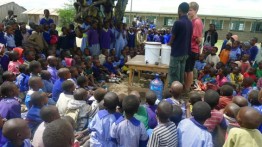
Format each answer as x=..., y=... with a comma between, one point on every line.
x=126, y=19
x=256, y=27
x=168, y=21
x=151, y=19
x=217, y=23
x=237, y=26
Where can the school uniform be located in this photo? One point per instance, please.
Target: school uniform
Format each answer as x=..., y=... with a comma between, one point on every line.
x=105, y=38
x=10, y=41
x=110, y=67
x=164, y=135
x=10, y=108
x=53, y=72
x=100, y=129
x=26, y=143
x=57, y=89
x=131, y=39
x=119, y=42
x=33, y=118
x=93, y=42
x=128, y=133
x=193, y=134
x=181, y=104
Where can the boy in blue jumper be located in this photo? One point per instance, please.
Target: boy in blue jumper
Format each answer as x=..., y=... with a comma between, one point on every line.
x=35, y=84
x=63, y=74
x=128, y=131
x=22, y=80
x=102, y=122
x=38, y=100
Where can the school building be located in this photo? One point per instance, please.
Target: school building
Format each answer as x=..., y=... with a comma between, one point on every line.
x=244, y=24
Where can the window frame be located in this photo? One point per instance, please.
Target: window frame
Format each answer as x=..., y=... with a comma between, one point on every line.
x=233, y=28
x=215, y=21
x=254, y=29
x=166, y=19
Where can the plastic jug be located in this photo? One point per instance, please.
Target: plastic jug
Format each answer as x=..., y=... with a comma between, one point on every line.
x=156, y=85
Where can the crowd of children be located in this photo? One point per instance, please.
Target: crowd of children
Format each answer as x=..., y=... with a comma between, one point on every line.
x=51, y=91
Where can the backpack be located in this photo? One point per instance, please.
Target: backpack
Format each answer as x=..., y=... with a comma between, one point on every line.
x=73, y=113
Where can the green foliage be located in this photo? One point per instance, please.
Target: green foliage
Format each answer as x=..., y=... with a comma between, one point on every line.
x=66, y=14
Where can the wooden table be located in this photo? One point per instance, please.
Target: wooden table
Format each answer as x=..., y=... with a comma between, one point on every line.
x=138, y=63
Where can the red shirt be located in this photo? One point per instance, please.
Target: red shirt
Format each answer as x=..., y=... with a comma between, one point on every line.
x=197, y=32
x=245, y=66
x=223, y=102
x=253, y=76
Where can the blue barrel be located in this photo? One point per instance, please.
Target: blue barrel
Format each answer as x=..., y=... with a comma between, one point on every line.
x=157, y=85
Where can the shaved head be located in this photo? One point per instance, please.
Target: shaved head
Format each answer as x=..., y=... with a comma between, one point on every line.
x=240, y=101
x=231, y=110
x=164, y=110
x=16, y=129
x=111, y=101
x=249, y=118
x=176, y=88
x=136, y=93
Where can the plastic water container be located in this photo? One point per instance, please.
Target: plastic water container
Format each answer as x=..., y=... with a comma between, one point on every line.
x=152, y=52
x=157, y=85
x=165, y=54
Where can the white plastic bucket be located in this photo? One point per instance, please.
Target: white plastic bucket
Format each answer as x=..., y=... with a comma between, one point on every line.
x=165, y=54
x=152, y=52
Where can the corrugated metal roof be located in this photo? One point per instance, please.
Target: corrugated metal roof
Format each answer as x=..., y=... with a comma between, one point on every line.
x=41, y=11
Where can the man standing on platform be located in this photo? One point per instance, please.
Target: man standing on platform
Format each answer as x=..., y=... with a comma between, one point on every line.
x=195, y=44
x=180, y=44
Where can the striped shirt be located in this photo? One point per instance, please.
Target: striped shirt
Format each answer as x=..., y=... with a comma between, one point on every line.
x=216, y=119
x=164, y=135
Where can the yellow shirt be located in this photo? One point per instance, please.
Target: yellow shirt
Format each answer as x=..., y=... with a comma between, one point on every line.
x=242, y=137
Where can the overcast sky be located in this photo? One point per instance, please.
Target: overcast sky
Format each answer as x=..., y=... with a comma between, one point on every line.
x=228, y=4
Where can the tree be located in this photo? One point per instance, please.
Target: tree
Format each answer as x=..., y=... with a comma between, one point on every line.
x=66, y=14
x=120, y=10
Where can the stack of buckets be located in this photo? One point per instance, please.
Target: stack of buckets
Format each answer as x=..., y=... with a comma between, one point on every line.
x=152, y=53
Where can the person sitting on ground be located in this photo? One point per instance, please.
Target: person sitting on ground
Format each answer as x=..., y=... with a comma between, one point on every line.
x=165, y=133
x=47, y=114
x=35, y=69
x=176, y=90
x=8, y=76
x=63, y=74
x=176, y=116
x=38, y=100
x=226, y=93
x=151, y=107
x=254, y=100
x=79, y=104
x=193, y=98
x=17, y=132
x=141, y=113
x=9, y=105
x=35, y=84
x=99, y=96
x=201, y=137
x=48, y=84
x=52, y=63
x=14, y=64
x=217, y=120
x=240, y=101
x=58, y=133
x=128, y=123
x=230, y=114
x=249, y=119
x=247, y=87
x=103, y=121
